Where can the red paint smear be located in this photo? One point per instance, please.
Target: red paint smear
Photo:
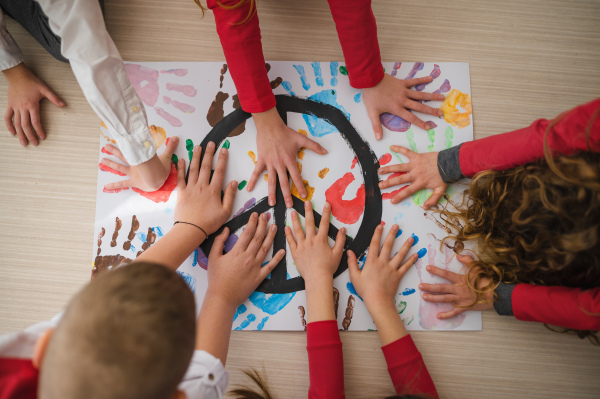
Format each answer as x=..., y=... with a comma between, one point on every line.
x=346, y=211
x=105, y=168
x=116, y=190
x=168, y=139
x=382, y=223
x=163, y=193
x=106, y=152
x=387, y=196
x=385, y=159
x=395, y=174
x=354, y=161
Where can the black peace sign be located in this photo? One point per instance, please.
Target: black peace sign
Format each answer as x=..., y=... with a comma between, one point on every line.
x=278, y=283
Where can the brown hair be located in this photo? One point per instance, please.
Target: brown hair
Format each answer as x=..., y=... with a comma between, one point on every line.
x=251, y=12
x=130, y=333
x=537, y=223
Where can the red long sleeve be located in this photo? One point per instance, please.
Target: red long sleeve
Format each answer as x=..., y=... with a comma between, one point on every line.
x=18, y=379
x=325, y=360
x=357, y=31
x=560, y=306
x=407, y=368
x=504, y=151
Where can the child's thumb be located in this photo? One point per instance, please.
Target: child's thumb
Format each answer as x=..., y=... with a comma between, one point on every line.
x=50, y=95
x=352, y=265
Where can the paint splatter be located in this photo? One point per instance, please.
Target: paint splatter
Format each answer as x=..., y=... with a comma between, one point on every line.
x=421, y=252
x=303, y=79
x=349, y=313
x=354, y=162
x=395, y=68
x=435, y=73
x=189, y=280
x=323, y=172
x=389, y=196
x=222, y=76
x=321, y=127
x=288, y=87
x=186, y=90
x=144, y=81
x=408, y=291
x=242, y=184
x=300, y=154
x=444, y=88
x=394, y=123
x=448, y=135
x=431, y=138
x=318, y=73
x=357, y=97
x=249, y=319
x=352, y=290
x=105, y=168
x=183, y=107
x=240, y=310
x=346, y=211
x=252, y=156
x=164, y=193
x=344, y=70
x=177, y=72
x=333, y=67
x=173, y=121
x=452, y=114
x=135, y=225
x=215, y=111
x=385, y=159
x=309, y=190
x=158, y=134
x=261, y=325
x=410, y=136
x=401, y=307
x=416, y=68
x=226, y=144
x=189, y=146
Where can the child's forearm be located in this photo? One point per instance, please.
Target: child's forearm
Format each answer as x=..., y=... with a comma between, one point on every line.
x=319, y=299
x=214, y=326
x=387, y=320
x=175, y=247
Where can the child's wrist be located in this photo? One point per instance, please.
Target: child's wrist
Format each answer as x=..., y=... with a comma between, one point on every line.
x=379, y=303
x=216, y=299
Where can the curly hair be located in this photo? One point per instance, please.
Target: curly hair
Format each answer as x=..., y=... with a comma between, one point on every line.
x=538, y=223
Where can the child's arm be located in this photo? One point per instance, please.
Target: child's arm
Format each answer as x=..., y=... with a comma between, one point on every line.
x=199, y=209
x=560, y=306
x=499, y=152
x=317, y=262
x=377, y=283
x=231, y=279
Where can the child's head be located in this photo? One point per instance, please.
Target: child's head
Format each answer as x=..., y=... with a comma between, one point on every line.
x=129, y=333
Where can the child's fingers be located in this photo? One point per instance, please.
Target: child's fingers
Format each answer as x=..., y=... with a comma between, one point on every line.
x=407, y=265
x=401, y=167
x=453, y=313
x=219, y=175
x=386, y=250
x=340, y=241
x=181, y=174
x=407, y=192
x=171, y=147
x=259, y=235
x=298, y=232
x=396, y=181
x=438, y=288
x=119, y=185
x=258, y=168
x=404, y=151
x=229, y=196
x=445, y=274
x=325, y=216
x=290, y=239
x=444, y=298
x=194, y=166
x=268, y=268
x=309, y=219
x=115, y=165
x=297, y=178
x=111, y=149
x=401, y=254
x=267, y=243
x=374, y=246
x=219, y=244
x=206, y=167
x=248, y=233
x=465, y=259
x=353, y=266
x=437, y=194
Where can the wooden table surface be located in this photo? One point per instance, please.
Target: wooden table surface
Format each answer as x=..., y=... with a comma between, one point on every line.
x=529, y=59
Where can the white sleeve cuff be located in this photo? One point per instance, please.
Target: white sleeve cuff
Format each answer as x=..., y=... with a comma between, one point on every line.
x=10, y=53
x=205, y=378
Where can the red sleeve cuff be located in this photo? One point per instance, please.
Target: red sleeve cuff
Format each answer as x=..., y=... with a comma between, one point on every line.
x=400, y=352
x=321, y=333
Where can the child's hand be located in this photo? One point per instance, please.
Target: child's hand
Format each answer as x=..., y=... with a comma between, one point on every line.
x=25, y=91
x=421, y=169
x=378, y=281
x=314, y=258
x=458, y=293
x=394, y=96
x=148, y=176
x=234, y=276
x=199, y=201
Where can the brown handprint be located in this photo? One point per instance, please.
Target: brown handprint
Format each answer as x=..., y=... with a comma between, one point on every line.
x=349, y=313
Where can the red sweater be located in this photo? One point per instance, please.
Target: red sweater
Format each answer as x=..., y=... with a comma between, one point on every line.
x=326, y=366
x=18, y=379
x=357, y=31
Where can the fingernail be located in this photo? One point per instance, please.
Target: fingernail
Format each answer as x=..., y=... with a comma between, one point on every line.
x=273, y=227
x=307, y=204
x=174, y=139
x=427, y=127
x=34, y=143
x=289, y=204
x=263, y=216
x=327, y=205
x=210, y=144
x=439, y=317
x=294, y=213
x=395, y=227
x=381, y=185
x=234, y=183
x=223, y=150
x=23, y=143
x=420, y=286
x=61, y=103
x=254, y=214
x=343, y=230
x=197, y=148
x=410, y=239
x=282, y=252
x=271, y=203
x=428, y=268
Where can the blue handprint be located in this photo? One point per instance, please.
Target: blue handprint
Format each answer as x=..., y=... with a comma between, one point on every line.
x=318, y=127
x=270, y=304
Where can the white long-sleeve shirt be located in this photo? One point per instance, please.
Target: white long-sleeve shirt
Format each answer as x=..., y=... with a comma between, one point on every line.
x=99, y=69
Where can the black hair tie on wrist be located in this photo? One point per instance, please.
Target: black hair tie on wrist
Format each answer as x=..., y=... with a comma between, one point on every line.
x=192, y=224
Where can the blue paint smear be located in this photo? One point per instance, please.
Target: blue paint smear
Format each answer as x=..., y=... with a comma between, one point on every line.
x=361, y=261
x=241, y=309
x=352, y=290
x=320, y=127
x=168, y=211
x=270, y=303
x=132, y=248
x=416, y=240
x=357, y=97
x=333, y=67
x=408, y=291
x=250, y=319
x=422, y=252
x=318, y=74
x=261, y=325
x=399, y=233
x=189, y=280
x=302, y=74
x=158, y=231
x=195, y=260
x=288, y=87
x=141, y=237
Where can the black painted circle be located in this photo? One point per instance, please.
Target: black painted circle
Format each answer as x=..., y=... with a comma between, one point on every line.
x=278, y=283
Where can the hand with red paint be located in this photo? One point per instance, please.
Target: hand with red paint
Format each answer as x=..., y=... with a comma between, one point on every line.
x=394, y=96
x=148, y=176
x=199, y=200
x=459, y=293
x=277, y=147
x=25, y=91
x=421, y=171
